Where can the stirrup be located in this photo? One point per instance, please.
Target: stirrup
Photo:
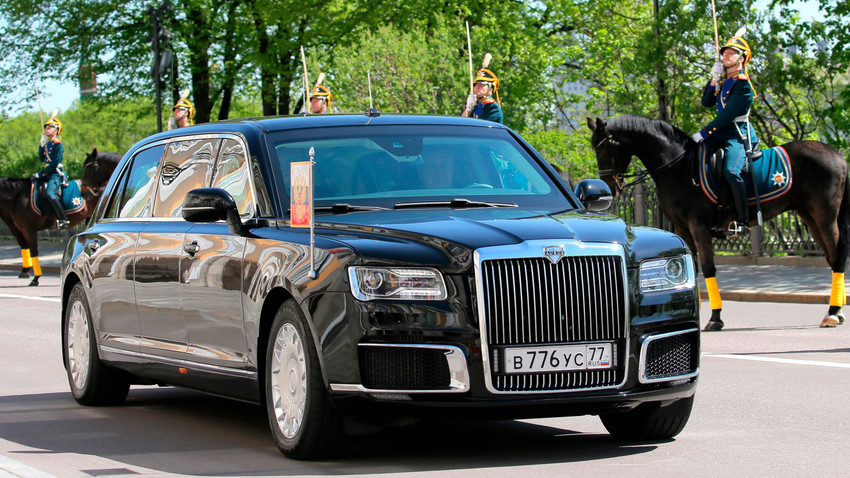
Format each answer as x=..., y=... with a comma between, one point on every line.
x=736, y=229
x=62, y=224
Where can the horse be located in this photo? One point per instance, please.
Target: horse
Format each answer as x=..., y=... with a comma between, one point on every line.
x=819, y=192
x=16, y=208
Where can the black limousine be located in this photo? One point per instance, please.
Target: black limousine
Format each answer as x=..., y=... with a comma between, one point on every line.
x=444, y=268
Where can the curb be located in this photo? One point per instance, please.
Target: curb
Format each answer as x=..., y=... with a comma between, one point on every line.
x=751, y=296
x=44, y=269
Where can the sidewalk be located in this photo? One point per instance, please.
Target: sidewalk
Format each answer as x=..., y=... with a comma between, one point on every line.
x=747, y=279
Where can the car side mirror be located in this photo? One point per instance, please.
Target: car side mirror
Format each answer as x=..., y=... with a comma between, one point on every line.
x=594, y=194
x=210, y=205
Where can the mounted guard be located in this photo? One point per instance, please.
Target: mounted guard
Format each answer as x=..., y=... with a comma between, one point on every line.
x=481, y=104
x=321, y=99
x=53, y=174
x=731, y=92
x=183, y=112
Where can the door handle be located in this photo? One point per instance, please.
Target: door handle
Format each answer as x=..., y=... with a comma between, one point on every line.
x=93, y=245
x=192, y=248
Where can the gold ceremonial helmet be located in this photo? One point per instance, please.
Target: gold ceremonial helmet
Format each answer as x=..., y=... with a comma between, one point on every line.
x=55, y=122
x=185, y=103
x=323, y=92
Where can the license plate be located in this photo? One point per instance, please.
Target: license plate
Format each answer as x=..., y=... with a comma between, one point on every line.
x=559, y=358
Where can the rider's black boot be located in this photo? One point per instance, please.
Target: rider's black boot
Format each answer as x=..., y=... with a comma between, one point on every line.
x=742, y=213
x=62, y=219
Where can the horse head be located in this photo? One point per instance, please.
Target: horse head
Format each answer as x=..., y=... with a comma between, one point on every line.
x=610, y=163
x=97, y=169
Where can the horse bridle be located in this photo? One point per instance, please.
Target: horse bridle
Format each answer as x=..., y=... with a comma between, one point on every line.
x=94, y=191
x=620, y=176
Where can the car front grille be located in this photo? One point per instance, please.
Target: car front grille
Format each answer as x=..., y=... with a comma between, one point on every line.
x=670, y=356
x=537, y=301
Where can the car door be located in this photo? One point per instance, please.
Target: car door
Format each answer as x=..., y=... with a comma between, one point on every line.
x=211, y=270
x=110, y=244
x=186, y=165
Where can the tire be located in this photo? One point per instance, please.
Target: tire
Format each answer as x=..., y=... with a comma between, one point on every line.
x=92, y=382
x=303, y=422
x=650, y=421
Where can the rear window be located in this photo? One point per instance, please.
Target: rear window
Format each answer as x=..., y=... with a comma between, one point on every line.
x=382, y=165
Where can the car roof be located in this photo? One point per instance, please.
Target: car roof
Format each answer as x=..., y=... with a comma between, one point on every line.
x=282, y=123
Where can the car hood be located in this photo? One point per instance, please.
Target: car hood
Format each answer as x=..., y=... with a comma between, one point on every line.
x=447, y=237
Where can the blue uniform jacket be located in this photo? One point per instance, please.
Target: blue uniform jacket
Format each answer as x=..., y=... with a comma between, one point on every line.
x=733, y=100
x=50, y=154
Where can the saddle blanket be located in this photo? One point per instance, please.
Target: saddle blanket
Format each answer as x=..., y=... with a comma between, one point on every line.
x=772, y=172
x=72, y=199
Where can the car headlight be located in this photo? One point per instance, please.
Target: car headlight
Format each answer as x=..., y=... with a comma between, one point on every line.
x=669, y=273
x=396, y=283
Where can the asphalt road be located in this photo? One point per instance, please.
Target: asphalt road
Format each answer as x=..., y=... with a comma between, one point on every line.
x=770, y=402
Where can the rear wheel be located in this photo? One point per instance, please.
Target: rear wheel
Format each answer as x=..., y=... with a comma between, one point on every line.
x=650, y=421
x=92, y=382
x=302, y=420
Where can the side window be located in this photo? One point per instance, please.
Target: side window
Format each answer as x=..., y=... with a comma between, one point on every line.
x=134, y=193
x=232, y=173
x=186, y=166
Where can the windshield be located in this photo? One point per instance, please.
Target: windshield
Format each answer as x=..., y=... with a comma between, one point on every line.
x=385, y=166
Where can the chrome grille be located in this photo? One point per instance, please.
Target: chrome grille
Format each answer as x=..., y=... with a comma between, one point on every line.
x=531, y=300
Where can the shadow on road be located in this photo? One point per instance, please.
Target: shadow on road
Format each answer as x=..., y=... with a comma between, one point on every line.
x=181, y=431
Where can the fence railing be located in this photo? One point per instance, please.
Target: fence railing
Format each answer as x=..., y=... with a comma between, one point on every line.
x=784, y=234
x=639, y=205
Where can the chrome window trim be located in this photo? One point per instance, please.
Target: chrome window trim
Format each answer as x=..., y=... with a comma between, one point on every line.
x=534, y=249
x=645, y=341
x=189, y=137
x=455, y=358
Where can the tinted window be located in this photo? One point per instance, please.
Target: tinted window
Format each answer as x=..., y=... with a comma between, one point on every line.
x=232, y=174
x=134, y=200
x=386, y=164
x=186, y=166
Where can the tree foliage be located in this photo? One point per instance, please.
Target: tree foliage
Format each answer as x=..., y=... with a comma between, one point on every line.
x=243, y=57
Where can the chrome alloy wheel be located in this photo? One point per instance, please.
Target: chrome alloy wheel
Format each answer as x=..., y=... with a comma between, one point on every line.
x=79, y=345
x=289, y=380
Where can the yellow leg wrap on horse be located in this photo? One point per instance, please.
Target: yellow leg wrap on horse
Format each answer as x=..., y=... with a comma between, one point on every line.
x=838, y=297
x=25, y=255
x=36, y=267
x=713, y=293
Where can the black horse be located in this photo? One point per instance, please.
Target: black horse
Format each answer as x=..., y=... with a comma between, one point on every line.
x=17, y=212
x=819, y=193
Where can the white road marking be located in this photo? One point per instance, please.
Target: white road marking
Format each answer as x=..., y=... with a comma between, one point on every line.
x=779, y=360
x=45, y=299
x=14, y=468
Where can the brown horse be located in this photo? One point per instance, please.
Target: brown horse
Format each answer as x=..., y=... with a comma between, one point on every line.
x=820, y=193
x=24, y=222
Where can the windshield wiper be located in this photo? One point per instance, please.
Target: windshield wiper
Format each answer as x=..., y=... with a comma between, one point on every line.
x=342, y=208
x=458, y=203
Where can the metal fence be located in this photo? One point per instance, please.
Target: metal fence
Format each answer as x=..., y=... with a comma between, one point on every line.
x=785, y=234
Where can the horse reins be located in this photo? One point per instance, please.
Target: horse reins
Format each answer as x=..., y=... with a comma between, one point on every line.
x=619, y=176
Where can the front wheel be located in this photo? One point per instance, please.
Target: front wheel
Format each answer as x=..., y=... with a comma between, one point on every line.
x=92, y=382
x=303, y=422
x=650, y=421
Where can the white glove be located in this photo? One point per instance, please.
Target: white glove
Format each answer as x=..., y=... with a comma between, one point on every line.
x=43, y=140
x=471, y=101
x=717, y=70
x=698, y=137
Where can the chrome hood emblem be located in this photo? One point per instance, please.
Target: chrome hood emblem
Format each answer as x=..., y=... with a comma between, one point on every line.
x=554, y=253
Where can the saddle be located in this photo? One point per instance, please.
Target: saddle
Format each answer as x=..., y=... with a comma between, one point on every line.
x=70, y=197
x=771, y=176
